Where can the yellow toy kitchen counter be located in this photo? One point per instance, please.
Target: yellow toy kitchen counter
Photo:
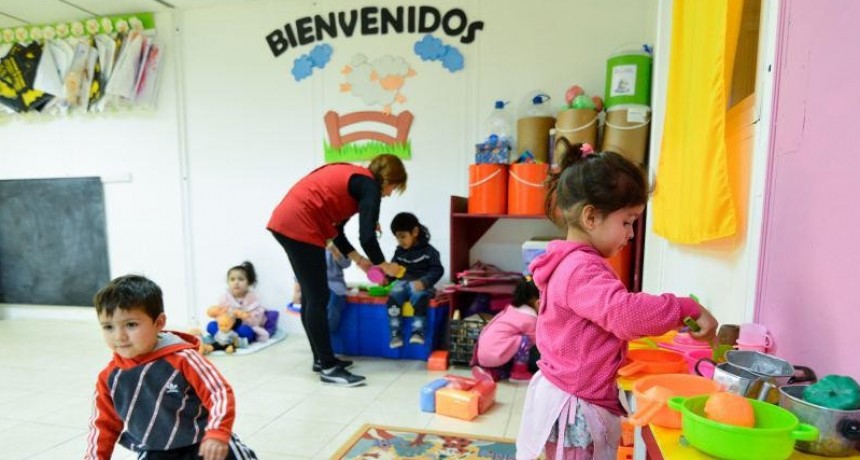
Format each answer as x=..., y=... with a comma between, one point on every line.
x=665, y=444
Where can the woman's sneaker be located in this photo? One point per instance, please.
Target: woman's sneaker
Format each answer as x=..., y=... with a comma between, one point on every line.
x=344, y=363
x=341, y=377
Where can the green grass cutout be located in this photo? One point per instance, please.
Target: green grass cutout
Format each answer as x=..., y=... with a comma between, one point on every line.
x=366, y=151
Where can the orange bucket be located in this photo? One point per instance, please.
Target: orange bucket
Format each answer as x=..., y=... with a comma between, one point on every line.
x=526, y=190
x=622, y=264
x=488, y=188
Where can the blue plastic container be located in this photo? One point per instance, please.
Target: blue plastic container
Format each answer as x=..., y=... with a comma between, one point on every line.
x=434, y=326
x=374, y=332
x=364, y=330
x=428, y=394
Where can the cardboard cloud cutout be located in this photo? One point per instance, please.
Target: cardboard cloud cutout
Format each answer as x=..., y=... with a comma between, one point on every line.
x=318, y=58
x=430, y=48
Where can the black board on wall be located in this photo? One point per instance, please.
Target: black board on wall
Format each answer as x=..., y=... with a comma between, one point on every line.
x=53, y=242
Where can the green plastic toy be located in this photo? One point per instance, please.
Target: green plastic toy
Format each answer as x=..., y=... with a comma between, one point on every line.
x=834, y=392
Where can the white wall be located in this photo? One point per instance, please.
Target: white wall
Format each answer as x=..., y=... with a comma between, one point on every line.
x=722, y=274
x=144, y=215
x=243, y=164
x=246, y=131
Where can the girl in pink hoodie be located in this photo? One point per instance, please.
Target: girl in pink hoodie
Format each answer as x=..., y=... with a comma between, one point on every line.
x=506, y=344
x=586, y=316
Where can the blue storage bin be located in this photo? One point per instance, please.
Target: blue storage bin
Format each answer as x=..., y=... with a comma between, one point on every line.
x=428, y=394
x=364, y=331
x=434, y=326
x=374, y=332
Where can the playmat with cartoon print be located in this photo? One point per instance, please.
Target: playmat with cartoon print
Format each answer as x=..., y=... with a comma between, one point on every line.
x=381, y=442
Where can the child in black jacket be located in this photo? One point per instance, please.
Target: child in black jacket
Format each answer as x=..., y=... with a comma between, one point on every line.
x=423, y=271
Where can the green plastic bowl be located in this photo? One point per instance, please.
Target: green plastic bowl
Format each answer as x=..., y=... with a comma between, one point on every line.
x=379, y=291
x=772, y=438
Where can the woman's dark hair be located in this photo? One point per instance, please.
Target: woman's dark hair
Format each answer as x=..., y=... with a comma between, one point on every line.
x=127, y=293
x=605, y=180
x=248, y=269
x=405, y=222
x=525, y=292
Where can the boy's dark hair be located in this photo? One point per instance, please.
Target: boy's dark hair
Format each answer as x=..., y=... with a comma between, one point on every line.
x=605, y=180
x=525, y=291
x=130, y=292
x=248, y=268
x=405, y=222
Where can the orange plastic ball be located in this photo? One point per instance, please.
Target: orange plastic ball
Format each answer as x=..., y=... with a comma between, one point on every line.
x=730, y=409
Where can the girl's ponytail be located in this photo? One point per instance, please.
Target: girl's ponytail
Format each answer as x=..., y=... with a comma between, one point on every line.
x=570, y=154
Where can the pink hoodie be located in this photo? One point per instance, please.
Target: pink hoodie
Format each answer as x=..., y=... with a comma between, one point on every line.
x=586, y=318
x=501, y=338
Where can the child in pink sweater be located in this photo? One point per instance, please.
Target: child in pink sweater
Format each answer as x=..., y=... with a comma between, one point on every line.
x=586, y=315
x=507, y=343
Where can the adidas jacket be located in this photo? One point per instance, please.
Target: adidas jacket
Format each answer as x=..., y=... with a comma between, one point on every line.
x=170, y=398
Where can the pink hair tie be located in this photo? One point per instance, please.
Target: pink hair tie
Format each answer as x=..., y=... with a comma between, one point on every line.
x=586, y=150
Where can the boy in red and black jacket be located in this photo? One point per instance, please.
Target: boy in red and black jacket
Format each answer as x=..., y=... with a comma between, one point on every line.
x=158, y=396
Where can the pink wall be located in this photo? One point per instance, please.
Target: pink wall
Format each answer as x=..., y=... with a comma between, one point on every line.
x=809, y=279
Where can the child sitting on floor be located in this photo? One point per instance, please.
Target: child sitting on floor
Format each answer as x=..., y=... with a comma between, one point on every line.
x=506, y=346
x=241, y=302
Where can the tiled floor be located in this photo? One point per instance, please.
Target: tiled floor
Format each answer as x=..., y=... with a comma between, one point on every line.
x=48, y=370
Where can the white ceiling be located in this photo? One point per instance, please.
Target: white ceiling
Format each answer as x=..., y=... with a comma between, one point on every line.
x=15, y=13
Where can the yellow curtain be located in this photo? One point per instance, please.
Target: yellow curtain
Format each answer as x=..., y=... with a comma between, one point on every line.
x=693, y=200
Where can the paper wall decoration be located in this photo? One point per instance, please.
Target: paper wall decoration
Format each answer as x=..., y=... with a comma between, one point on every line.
x=80, y=66
x=377, y=82
x=122, y=23
x=431, y=48
x=304, y=65
x=372, y=20
x=366, y=144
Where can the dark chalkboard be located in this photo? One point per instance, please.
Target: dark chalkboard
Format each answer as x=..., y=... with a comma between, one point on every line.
x=53, y=244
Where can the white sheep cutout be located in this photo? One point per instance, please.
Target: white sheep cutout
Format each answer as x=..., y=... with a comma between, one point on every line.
x=377, y=82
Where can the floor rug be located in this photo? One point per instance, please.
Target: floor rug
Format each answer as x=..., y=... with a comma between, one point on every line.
x=280, y=334
x=387, y=442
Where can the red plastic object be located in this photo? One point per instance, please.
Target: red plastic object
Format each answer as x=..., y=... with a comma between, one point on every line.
x=464, y=383
x=438, y=361
x=486, y=391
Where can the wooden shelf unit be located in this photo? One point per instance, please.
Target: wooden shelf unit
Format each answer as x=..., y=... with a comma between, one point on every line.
x=467, y=229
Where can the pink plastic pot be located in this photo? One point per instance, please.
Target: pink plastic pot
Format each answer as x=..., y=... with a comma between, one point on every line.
x=693, y=356
x=376, y=275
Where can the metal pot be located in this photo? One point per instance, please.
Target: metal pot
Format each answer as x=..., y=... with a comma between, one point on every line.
x=840, y=429
x=781, y=372
x=734, y=379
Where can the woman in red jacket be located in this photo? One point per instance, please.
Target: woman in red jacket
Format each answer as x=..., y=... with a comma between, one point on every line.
x=314, y=211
